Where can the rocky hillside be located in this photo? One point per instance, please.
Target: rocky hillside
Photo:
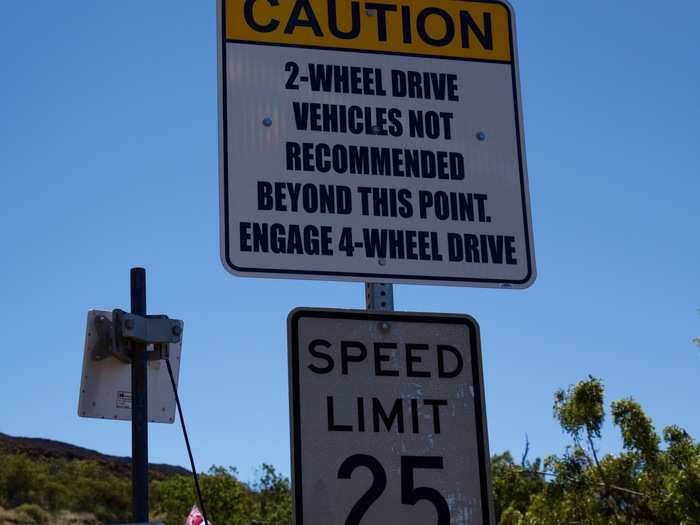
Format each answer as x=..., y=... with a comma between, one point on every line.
x=37, y=448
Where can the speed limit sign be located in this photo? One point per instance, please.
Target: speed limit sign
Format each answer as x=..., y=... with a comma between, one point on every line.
x=387, y=417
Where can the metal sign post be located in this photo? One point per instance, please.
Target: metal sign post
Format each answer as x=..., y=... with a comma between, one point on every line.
x=139, y=404
x=379, y=297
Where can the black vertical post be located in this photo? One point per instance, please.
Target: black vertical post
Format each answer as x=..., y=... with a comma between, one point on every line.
x=139, y=405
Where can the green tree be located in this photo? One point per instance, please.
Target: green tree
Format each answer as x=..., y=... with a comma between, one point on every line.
x=653, y=480
x=273, y=497
x=228, y=500
x=514, y=486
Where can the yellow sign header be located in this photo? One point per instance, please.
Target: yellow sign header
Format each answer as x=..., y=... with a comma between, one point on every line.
x=472, y=30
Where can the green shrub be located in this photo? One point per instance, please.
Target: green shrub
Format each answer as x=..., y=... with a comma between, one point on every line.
x=33, y=513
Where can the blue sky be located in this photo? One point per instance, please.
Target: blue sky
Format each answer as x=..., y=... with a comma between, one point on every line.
x=108, y=159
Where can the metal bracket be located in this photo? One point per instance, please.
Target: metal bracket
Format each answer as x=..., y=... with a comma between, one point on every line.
x=149, y=329
x=106, y=344
x=115, y=337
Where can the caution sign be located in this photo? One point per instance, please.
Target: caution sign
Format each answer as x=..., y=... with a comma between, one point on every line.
x=387, y=418
x=373, y=141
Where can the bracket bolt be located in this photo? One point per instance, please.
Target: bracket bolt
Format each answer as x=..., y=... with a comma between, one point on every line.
x=267, y=122
x=481, y=136
x=129, y=324
x=177, y=330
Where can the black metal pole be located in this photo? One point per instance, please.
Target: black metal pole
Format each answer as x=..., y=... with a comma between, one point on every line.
x=139, y=405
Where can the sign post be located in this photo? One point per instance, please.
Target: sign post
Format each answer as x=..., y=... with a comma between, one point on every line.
x=122, y=356
x=379, y=142
x=379, y=297
x=375, y=142
x=139, y=404
x=388, y=420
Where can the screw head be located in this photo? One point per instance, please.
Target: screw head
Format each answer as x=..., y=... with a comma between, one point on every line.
x=177, y=330
x=384, y=326
x=382, y=262
x=267, y=122
x=481, y=136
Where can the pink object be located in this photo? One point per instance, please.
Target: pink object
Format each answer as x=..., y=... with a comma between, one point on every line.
x=195, y=517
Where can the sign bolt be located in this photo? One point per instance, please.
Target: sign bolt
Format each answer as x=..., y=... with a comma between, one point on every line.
x=267, y=122
x=481, y=136
x=382, y=262
x=177, y=330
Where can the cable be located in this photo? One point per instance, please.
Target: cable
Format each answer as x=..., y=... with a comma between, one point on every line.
x=187, y=442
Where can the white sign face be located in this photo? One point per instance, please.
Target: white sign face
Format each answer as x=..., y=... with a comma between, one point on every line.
x=105, y=385
x=388, y=420
x=380, y=143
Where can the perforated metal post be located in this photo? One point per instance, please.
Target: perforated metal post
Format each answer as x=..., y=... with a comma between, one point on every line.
x=379, y=297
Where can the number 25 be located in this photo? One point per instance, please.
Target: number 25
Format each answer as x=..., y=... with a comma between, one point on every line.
x=410, y=495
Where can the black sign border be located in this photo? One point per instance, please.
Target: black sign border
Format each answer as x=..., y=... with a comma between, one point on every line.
x=319, y=274
x=293, y=320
